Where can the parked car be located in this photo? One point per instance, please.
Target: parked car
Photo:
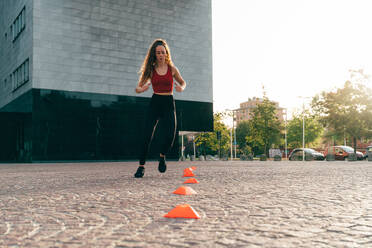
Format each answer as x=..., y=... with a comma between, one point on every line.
x=368, y=150
x=297, y=153
x=342, y=152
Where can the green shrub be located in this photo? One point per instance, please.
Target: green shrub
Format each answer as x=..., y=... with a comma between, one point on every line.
x=250, y=157
x=277, y=158
x=330, y=157
x=263, y=157
x=352, y=157
x=308, y=157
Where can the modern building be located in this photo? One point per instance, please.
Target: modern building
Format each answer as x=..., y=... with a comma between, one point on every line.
x=68, y=70
x=244, y=112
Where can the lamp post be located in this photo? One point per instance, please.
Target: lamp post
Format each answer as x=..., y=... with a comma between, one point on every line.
x=234, y=134
x=303, y=126
x=193, y=141
x=285, y=134
x=232, y=130
x=182, y=145
x=231, y=144
x=303, y=131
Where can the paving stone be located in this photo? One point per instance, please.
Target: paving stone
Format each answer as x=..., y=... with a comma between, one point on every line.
x=242, y=204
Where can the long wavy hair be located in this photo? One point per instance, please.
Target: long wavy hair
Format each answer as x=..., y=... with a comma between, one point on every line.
x=149, y=63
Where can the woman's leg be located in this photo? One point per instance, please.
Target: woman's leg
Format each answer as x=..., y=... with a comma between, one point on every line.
x=168, y=139
x=170, y=124
x=151, y=122
x=150, y=126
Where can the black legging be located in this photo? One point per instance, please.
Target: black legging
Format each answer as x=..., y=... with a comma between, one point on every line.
x=162, y=108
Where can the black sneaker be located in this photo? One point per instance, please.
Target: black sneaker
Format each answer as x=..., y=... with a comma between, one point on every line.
x=140, y=172
x=162, y=166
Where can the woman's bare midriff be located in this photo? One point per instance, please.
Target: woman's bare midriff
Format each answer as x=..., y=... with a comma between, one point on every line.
x=164, y=94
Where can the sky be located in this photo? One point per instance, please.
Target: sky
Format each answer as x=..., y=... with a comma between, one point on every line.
x=295, y=49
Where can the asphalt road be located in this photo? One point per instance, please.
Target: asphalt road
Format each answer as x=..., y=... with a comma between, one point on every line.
x=241, y=204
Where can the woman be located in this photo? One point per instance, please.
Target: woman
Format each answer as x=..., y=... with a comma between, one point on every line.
x=158, y=70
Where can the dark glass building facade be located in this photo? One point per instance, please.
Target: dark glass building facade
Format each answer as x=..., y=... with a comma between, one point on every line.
x=68, y=93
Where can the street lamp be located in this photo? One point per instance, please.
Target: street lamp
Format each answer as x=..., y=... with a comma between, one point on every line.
x=285, y=134
x=234, y=133
x=303, y=126
x=233, y=129
x=182, y=148
x=193, y=141
x=231, y=144
x=303, y=131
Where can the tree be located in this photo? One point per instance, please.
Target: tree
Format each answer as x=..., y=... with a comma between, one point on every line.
x=347, y=111
x=264, y=127
x=313, y=129
x=208, y=142
x=242, y=130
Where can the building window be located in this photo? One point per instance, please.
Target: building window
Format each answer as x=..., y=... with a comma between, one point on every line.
x=11, y=80
x=19, y=24
x=20, y=76
x=26, y=72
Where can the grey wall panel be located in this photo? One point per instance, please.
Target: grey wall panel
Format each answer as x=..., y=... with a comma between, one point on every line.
x=98, y=46
x=14, y=53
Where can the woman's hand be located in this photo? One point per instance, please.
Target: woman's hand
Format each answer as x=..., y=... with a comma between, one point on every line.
x=140, y=89
x=180, y=83
x=179, y=88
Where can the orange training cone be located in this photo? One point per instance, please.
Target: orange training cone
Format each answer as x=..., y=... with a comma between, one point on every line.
x=188, y=173
x=193, y=167
x=183, y=211
x=191, y=180
x=184, y=190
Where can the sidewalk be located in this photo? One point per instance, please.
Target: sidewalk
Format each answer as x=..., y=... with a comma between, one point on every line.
x=241, y=204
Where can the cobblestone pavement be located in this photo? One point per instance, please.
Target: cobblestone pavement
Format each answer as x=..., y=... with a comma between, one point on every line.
x=242, y=204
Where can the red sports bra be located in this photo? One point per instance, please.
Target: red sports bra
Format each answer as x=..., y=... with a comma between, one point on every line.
x=162, y=83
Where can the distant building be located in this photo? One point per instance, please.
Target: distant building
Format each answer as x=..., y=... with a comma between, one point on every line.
x=68, y=70
x=244, y=112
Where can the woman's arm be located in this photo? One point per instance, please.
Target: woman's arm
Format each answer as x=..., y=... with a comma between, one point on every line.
x=142, y=86
x=180, y=83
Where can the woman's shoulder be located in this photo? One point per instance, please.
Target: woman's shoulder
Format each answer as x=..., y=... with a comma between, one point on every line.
x=173, y=69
